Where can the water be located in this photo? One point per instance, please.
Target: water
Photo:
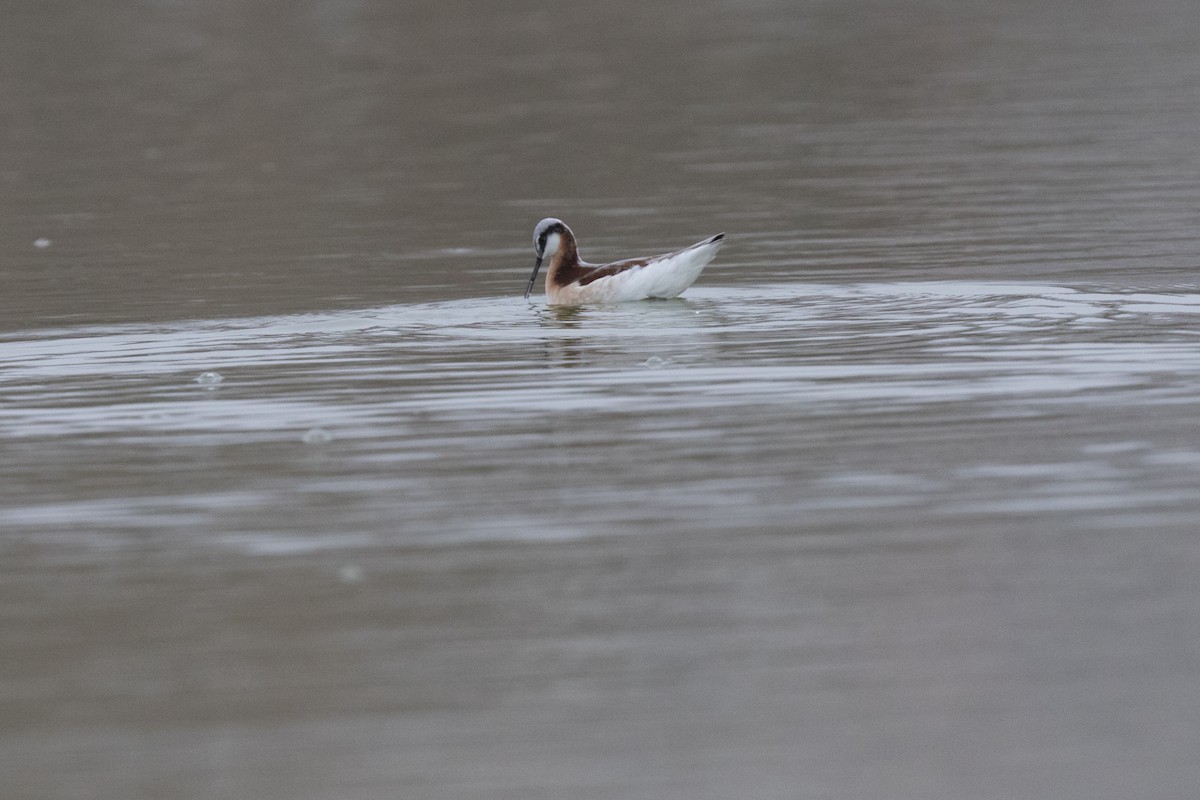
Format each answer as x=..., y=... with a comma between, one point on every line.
x=299, y=499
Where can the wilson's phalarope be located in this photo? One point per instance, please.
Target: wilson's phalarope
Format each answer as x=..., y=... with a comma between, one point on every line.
x=571, y=281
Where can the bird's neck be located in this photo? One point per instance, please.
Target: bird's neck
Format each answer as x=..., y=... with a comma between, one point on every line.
x=565, y=265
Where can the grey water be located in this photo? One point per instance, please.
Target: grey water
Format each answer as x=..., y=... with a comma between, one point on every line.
x=300, y=499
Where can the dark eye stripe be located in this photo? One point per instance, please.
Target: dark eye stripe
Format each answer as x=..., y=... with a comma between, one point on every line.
x=557, y=227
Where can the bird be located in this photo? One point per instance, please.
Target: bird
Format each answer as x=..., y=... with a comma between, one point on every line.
x=570, y=281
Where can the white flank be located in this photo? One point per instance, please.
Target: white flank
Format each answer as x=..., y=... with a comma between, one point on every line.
x=664, y=277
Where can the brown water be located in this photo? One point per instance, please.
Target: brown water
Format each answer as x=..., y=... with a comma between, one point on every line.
x=299, y=499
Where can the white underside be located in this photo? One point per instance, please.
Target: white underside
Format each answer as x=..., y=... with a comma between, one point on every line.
x=666, y=277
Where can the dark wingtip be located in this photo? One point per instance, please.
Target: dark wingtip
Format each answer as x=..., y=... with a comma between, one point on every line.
x=717, y=238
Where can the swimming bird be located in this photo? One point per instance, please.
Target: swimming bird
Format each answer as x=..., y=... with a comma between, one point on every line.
x=570, y=281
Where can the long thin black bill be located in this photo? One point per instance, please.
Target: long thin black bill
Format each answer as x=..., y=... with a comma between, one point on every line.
x=536, y=266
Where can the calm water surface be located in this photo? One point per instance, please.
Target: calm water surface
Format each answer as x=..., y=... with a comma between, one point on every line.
x=299, y=499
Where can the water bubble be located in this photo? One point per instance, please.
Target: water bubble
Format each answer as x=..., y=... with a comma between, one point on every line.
x=209, y=379
x=350, y=573
x=41, y=243
x=654, y=362
x=316, y=436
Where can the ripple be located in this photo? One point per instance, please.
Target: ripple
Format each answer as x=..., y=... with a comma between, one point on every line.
x=866, y=345
x=788, y=401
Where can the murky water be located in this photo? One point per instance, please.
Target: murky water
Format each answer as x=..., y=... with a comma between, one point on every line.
x=299, y=499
